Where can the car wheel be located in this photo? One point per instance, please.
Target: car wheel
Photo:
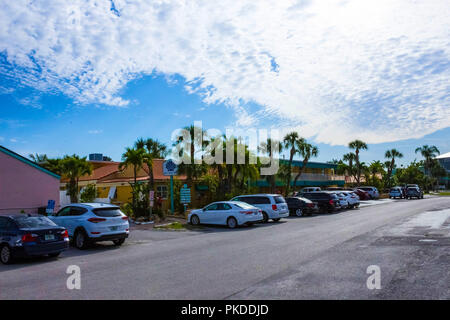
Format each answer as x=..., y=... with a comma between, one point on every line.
x=195, y=220
x=118, y=242
x=276, y=220
x=5, y=255
x=231, y=223
x=81, y=240
x=54, y=255
x=265, y=217
x=299, y=212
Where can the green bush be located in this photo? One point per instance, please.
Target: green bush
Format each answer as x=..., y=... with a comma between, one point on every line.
x=89, y=193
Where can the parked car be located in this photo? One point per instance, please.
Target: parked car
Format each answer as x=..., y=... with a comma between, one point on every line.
x=310, y=189
x=372, y=191
x=396, y=192
x=363, y=195
x=87, y=223
x=414, y=192
x=30, y=235
x=229, y=213
x=342, y=199
x=273, y=206
x=326, y=201
x=352, y=199
x=301, y=206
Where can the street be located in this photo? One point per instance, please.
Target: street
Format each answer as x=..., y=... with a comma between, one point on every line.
x=320, y=257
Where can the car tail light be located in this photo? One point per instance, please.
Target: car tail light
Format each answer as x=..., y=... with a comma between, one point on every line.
x=125, y=218
x=247, y=212
x=331, y=201
x=96, y=220
x=65, y=235
x=29, y=237
x=310, y=205
x=274, y=207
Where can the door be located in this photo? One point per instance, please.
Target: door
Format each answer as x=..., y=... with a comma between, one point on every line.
x=210, y=214
x=62, y=218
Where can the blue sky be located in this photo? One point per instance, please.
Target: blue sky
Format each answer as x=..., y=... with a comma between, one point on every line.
x=93, y=76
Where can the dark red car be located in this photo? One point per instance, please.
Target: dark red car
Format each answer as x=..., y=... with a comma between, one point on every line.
x=363, y=195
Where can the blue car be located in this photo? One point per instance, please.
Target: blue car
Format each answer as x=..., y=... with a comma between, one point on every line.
x=396, y=192
x=30, y=235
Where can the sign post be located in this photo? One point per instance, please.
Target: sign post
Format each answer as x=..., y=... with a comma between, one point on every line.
x=170, y=168
x=185, y=196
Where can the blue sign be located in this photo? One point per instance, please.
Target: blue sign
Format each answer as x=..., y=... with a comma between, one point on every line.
x=185, y=194
x=50, y=206
x=170, y=168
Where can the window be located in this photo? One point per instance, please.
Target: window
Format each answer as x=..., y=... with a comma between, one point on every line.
x=107, y=212
x=77, y=211
x=64, y=212
x=6, y=224
x=212, y=207
x=225, y=206
x=161, y=191
x=279, y=199
x=34, y=222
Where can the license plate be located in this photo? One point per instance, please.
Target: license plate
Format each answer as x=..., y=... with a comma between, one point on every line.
x=114, y=228
x=49, y=237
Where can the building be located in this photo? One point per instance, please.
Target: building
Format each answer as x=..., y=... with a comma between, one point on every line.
x=316, y=174
x=444, y=160
x=24, y=185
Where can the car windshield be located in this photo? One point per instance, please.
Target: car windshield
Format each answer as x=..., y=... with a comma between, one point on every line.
x=243, y=205
x=107, y=212
x=279, y=199
x=34, y=222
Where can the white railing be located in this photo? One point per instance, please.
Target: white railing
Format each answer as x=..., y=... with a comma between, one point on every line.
x=319, y=177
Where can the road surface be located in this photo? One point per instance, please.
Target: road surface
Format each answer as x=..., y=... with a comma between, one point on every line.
x=320, y=257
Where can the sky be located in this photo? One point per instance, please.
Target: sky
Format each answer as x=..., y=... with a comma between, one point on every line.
x=93, y=76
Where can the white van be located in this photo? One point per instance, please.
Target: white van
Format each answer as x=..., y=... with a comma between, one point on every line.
x=273, y=206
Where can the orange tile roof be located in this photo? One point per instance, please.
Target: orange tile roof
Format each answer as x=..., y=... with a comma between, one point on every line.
x=109, y=173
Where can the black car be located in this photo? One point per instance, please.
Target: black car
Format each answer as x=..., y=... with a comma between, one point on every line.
x=414, y=192
x=327, y=202
x=300, y=206
x=30, y=235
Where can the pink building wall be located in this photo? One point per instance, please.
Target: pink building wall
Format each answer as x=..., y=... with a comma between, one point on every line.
x=24, y=187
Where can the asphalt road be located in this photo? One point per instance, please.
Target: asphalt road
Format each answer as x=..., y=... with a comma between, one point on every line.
x=319, y=257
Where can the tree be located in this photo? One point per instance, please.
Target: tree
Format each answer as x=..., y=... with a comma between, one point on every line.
x=358, y=145
x=39, y=158
x=154, y=150
x=89, y=193
x=267, y=147
x=374, y=169
x=291, y=142
x=195, y=137
x=135, y=158
x=307, y=151
x=73, y=167
x=391, y=154
x=429, y=153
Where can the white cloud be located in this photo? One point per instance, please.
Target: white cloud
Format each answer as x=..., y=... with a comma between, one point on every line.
x=337, y=70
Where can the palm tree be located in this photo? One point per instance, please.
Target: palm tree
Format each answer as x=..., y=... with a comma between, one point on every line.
x=429, y=153
x=135, y=158
x=74, y=167
x=391, y=154
x=358, y=145
x=191, y=169
x=291, y=142
x=348, y=168
x=307, y=151
x=38, y=158
x=154, y=150
x=268, y=147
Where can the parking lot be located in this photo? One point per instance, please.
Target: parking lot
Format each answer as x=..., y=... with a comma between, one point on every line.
x=322, y=256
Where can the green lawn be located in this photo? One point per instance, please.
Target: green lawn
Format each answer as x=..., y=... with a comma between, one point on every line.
x=171, y=226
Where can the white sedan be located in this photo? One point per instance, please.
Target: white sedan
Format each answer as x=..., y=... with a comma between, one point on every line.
x=229, y=213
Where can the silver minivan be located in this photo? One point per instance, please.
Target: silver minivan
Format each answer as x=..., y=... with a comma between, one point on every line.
x=273, y=206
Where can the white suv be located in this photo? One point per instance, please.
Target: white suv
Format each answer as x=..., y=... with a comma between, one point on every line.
x=273, y=206
x=90, y=222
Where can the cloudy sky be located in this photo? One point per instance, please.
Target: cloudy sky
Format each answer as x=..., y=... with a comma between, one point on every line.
x=92, y=76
